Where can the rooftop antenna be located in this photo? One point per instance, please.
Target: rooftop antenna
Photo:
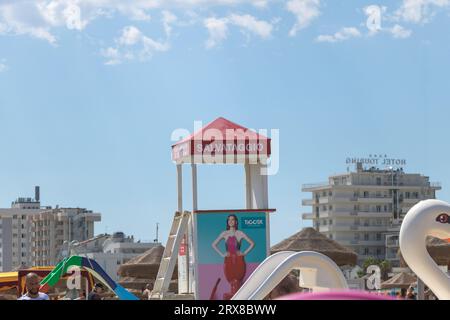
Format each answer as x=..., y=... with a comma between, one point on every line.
x=157, y=233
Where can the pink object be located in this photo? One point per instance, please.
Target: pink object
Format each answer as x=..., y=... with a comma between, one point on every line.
x=340, y=295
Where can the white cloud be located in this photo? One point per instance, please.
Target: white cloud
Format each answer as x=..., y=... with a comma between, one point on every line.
x=305, y=12
x=131, y=45
x=130, y=36
x=399, y=32
x=168, y=19
x=16, y=19
x=250, y=23
x=217, y=29
x=420, y=11
x=40, y=18
x=341, y=35
x=3, y=66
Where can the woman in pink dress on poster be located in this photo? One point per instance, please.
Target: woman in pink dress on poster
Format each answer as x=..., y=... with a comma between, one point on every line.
x=234, y=265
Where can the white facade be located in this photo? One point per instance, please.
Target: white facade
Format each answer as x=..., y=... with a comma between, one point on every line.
x=15, y=233
x=52, y=227
x=15, y=238
x=360, y=209
x=112, y=251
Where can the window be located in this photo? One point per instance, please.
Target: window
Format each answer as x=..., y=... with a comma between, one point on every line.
x=379, y=222
x=378, y=236
x=330, y=222
x=356, y=236
x=366, y=237
x=366, y=251
x=24, y=217
x=330, y=193
x=378, y=181
x=15, y=216
x=330, y=208
x=378, y=252
x=378, y=208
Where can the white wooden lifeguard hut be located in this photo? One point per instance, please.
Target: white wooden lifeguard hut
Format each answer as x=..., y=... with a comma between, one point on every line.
x=219, y=142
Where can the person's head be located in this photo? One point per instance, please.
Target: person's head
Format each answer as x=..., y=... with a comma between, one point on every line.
x=149, y=286
x=411, y=290
x=99, y=288
x=32, y=282
x=403, y=293
x=232, y=222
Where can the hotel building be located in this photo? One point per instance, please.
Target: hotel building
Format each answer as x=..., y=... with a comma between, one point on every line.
x=363, y=210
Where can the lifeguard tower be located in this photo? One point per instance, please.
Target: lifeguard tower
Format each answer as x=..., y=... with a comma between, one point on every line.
x=207, y=252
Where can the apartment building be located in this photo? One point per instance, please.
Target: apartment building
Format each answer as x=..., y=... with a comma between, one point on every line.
x=53, y=229
x=363, y=210
x=15, y=232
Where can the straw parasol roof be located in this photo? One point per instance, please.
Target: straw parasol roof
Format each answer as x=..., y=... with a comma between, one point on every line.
x=402, y=280
x=143, y=270
x=311, y=240
x=145, y=266
x=438, y=249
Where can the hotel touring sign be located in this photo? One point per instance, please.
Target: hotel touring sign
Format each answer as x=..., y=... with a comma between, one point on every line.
x=377, y=160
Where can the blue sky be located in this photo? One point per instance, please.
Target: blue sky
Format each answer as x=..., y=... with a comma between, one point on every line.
x=91, y=90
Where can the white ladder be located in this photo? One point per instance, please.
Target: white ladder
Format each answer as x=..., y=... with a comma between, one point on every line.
x=170, y=257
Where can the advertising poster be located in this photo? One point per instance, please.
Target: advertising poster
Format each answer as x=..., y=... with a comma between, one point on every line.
x=230, y=247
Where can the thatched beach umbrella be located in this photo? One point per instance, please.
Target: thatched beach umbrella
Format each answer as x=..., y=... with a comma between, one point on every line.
x=438, y=249
x=143, y=270
x=145, y=266
x=311, y=240
x=402, y=281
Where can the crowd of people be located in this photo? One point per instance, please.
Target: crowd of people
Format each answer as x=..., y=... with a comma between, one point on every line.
x=289, y=285
x=32, y=284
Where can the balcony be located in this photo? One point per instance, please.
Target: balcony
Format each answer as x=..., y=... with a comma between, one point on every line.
x=392, y=243
x=353, y=228
x=307, y=216
x=325, y=200
x=392, y=256
x=325, y=228
x=308, y=202
x=436, y=185
x=313, y=186
x=362, y=214
x=412, y=201
x=361, y=243
x=375, y=199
